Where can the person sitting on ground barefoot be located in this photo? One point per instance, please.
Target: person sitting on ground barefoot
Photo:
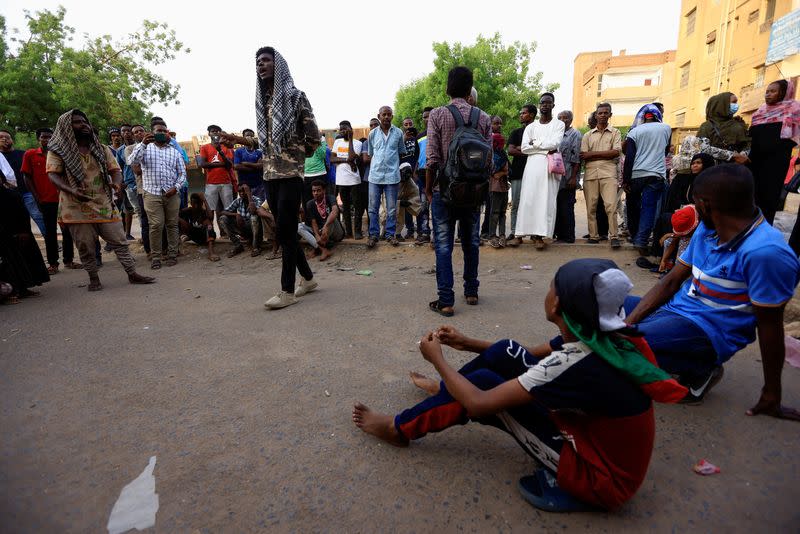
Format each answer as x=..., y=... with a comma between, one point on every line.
x=196, y=223
x=580, y=404
x=322, y=220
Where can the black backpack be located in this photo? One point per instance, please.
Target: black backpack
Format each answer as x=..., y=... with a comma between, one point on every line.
x=465, y=177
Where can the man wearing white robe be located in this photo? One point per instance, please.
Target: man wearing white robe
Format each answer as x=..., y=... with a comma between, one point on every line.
x=536, y=215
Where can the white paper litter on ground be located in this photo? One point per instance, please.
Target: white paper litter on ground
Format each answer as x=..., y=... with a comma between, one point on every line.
x=137, y=504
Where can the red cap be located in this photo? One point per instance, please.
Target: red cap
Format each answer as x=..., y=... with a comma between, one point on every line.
x=685, y=220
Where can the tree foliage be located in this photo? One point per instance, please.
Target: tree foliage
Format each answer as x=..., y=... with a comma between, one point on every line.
x=501, y=73
x=42, y=74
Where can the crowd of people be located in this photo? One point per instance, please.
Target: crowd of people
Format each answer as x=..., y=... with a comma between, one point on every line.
x=705, y=213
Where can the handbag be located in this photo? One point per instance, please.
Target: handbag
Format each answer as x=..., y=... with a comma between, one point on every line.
x=555, y=164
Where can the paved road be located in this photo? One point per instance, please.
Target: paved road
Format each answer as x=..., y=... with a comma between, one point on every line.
x=232, y=401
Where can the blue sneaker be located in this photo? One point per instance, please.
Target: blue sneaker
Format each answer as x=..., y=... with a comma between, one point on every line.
x=542, y=491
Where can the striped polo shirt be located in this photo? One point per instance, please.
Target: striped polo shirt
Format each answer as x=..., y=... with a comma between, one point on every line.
x=755, y=268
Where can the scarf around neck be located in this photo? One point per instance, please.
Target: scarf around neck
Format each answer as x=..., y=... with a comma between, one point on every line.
x=286, y=100
x=787, y=112
x=64, y=144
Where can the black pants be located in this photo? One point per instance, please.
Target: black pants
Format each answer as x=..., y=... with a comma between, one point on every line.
x=565, y=215
x=284, y=196
x=487, y=213
x=50, y=213
x=602, y=218
x=349, y=194
x=360, y=203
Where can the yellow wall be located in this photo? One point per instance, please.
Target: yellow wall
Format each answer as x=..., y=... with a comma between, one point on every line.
x=625, y=100
x=734, y=64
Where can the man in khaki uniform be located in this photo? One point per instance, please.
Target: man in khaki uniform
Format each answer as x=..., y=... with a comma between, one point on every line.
x=600, y=150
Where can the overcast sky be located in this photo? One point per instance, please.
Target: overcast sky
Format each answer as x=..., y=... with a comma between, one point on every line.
x=350, y=58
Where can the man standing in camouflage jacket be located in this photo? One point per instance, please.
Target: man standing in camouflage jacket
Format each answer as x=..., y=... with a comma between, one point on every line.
x=287, y=134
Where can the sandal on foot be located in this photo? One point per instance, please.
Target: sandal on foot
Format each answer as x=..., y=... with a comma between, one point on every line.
x=155, y=265
x=472, y=300
x=171, y=262
x=542, y=491
x=53, y=269
x=73, y=265
x=94, y=285
x=445, y=311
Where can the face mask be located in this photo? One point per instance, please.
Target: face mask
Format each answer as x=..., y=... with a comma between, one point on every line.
x=161, y=137
x=734, y=108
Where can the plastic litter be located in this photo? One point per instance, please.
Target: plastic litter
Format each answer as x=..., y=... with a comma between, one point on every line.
x=526, y=267
x=345, y=269
x=705, y=468
x=365, y=272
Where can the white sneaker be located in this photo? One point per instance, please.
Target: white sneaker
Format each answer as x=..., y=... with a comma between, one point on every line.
x=305, y=286
x=281, y=300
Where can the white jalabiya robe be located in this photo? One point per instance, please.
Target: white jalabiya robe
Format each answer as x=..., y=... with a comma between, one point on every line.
x=536, y=214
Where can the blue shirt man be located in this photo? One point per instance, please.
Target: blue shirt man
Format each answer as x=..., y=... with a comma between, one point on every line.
x=734, y=278
x=247, y=165
x=385, y=146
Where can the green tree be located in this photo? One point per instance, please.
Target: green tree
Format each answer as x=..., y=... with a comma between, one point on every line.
x=42, y=74
x=502, y=79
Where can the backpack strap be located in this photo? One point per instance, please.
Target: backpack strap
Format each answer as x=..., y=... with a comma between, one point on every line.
x=456, y=115
x=474, y=117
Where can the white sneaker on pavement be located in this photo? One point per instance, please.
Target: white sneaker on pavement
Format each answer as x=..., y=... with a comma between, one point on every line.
x=281, y=300
x=305, y=286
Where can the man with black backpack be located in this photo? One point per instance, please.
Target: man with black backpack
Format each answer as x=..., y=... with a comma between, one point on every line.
x=459, y=163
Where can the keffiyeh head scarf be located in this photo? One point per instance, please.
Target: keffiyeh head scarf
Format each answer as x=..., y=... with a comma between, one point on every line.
x=286, y=99
x=63, y=144
x=787, y=112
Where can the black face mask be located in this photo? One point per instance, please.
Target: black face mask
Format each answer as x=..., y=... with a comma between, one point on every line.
x=161, y=137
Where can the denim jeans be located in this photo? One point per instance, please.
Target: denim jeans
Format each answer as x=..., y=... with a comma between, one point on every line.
x=444, y=226
x=681, y=347
x=375, y=192
x=644, y=199
x=423, y=228
x=33, y=210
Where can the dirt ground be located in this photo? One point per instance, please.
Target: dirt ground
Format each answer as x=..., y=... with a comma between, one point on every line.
x=248, y=411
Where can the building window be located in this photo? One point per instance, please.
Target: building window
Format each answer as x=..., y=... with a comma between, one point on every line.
x=759, y=78
x=752, y=17
x=746, y=88
x=769, y=12
x=685, y=75
x=691, y=17
x=711, y=41
x=704, y=96
x=680, y=119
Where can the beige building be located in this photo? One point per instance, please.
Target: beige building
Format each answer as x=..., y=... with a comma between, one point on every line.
x=625, y=81
x=723, y=46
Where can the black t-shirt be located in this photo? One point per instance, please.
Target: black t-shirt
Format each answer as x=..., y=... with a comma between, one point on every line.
x=14, y=158
x=312, y=213
x=518, y=162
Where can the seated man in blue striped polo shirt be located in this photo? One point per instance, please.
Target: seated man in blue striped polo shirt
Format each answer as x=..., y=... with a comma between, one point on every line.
x=734, y=279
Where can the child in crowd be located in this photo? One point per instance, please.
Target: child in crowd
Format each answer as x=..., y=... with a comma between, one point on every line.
x=498, y=191
x=196, y=223
x=684, y=223
x=580, y=404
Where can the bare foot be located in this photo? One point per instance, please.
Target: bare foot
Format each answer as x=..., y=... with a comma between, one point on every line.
x=213, y=257
x=424, y=383
x=325, y=254
x=378, y=424
x=136, y=278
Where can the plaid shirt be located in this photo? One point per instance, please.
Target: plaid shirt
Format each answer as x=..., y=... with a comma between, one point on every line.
x=442, y=126
x=162, y=167
x=240, y=206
